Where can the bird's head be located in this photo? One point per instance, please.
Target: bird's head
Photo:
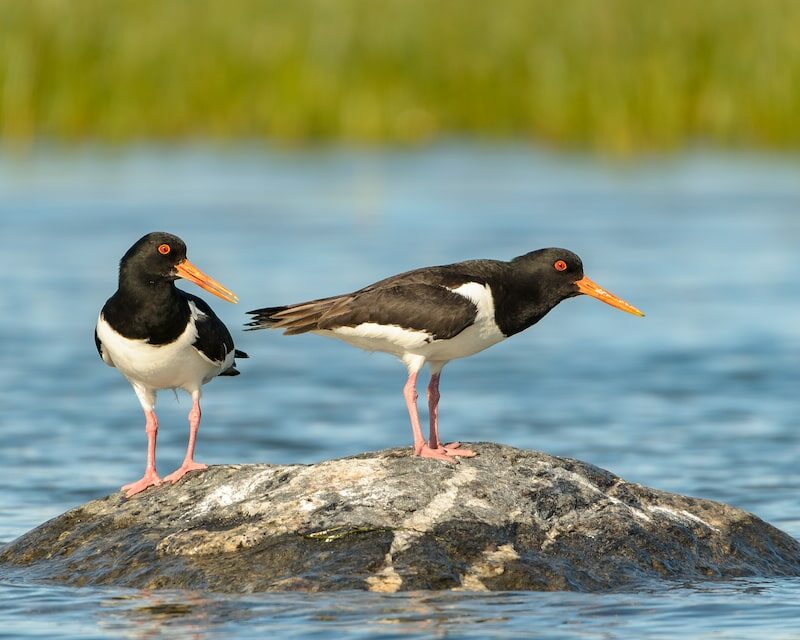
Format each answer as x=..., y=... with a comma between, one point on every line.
x=161, y=256
x=558, y=274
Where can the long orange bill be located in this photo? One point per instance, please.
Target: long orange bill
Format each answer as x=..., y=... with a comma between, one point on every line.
x=591, y=289
x=187, y=270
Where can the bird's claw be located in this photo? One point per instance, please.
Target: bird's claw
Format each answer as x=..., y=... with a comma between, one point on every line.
x=186, y=467
x=149, y=479
x=445, y=453
x=453, y=449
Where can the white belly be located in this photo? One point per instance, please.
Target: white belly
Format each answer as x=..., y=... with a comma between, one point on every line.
x=379, y=337
x=471, y=340
x=168, y=366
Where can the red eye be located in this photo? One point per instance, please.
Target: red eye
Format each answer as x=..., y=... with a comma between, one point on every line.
x=560, y=265
x=164, y=249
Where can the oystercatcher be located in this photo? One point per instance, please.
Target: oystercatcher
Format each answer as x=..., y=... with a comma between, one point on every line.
x=160, y=337
x=438, y=314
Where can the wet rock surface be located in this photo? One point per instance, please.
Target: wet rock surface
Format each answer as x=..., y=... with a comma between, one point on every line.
x=386, y=521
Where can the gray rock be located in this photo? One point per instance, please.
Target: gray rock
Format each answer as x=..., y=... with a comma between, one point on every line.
x=386, y=521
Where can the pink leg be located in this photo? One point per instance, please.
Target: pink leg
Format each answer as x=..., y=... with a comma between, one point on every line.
x=150, y=477
x=451, y=449
x=433, y=410
x=188, y=462
x=410, y=394
x=421, y=447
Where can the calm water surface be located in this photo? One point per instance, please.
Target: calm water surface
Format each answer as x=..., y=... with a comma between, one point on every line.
x=699, y=397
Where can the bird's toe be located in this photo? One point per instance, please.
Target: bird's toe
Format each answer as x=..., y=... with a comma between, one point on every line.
x=148, y=480
x=185, y=468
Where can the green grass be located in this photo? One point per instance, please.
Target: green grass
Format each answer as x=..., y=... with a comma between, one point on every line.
x=613, y=75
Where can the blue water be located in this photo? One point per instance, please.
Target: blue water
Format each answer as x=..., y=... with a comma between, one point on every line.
x=700, y=397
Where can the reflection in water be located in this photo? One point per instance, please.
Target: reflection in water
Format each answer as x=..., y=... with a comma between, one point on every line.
x=730, y=610
x=149, y=614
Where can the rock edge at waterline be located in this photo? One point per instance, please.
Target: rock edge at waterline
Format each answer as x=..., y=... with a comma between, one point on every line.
x=386, y=521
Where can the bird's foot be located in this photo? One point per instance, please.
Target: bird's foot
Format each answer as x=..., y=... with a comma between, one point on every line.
x=454, y=449
x=438, y=454
x=186, y=467
x=149, y=479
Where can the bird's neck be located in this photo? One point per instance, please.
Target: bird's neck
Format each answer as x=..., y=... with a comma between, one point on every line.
x=147, y=309
x=146, y=291
x=520, y=305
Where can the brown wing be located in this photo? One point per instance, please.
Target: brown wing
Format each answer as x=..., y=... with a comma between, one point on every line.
x=430, y=308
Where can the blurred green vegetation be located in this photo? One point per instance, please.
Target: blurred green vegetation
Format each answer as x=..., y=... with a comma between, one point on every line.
x=614, y=75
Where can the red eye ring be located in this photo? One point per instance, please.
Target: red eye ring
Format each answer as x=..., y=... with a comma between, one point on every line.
x=164, y=249
x=560, y=265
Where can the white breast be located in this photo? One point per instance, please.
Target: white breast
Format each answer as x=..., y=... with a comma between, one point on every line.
x=480, y=335
x=167, y=366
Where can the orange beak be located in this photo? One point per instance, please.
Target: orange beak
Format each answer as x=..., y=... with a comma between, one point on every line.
x=591, y=289
x=191, y=273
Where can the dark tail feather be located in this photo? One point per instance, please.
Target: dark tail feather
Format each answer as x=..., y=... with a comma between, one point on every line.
x=301, y=317
x=294, y=319
x=232, y=371
x=262, y=318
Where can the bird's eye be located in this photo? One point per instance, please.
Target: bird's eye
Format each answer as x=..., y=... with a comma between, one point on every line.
x=560, y=265
x=164, y=249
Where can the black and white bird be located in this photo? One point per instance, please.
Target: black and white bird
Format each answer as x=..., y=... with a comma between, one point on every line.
x=160, y=337
x=436, y=314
